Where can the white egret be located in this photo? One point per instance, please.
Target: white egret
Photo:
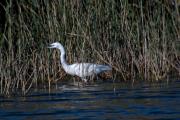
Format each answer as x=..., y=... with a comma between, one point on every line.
x=79, y=69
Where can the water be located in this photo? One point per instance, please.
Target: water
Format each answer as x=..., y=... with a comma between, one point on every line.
x=102, y=101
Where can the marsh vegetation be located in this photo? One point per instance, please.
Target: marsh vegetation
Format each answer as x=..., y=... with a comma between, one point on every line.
x=139, y=39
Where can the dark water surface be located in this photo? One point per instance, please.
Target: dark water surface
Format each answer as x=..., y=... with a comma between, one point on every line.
x=102, y=101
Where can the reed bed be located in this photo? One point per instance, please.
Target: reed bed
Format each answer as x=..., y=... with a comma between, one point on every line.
x=139, y=39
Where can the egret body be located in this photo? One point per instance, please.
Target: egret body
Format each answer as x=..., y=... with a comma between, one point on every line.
x=79, y=69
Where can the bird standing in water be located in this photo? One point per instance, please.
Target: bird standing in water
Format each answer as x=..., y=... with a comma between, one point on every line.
x=79, y=69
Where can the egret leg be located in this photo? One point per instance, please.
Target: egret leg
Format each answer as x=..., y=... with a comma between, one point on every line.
x=92, y=79
x=74, y=81
x=84, y=81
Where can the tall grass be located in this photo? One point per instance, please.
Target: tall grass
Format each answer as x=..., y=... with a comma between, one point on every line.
x=138, y=39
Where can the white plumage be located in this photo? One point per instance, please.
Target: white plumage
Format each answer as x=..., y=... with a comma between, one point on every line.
x=80, y=69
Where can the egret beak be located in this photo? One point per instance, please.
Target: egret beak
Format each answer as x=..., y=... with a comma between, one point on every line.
x=51, y=46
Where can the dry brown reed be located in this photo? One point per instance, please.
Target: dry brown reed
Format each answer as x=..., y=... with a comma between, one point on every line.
x=138, y=39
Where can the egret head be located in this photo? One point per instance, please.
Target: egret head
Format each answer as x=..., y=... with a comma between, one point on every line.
x=55, y=45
